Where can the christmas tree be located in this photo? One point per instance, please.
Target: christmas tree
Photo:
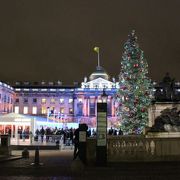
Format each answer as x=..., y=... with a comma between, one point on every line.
x=134, y=94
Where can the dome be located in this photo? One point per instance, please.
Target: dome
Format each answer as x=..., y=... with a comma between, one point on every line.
x=100, y=72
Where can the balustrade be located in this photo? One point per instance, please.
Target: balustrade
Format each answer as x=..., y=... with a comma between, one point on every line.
x=137, y=148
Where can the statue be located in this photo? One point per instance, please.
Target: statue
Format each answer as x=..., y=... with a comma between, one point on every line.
x=167, y=86
x=169, y=120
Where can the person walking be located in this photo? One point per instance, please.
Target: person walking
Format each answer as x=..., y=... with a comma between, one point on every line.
x=42, y=132
x=76, y=143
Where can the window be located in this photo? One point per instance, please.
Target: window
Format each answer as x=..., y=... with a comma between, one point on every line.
x=43, y=89
x=4, y=98
x=16, y=109
x=43, y=110
x=53, y=90
x=34, y=100
x=17, y=100
x=26, y=89
x=80, y=100
x=25, y=110
x=62, y=110
x=17, y=89
x=70, y=110
x=70, y=100
x=34, y=110
x=25, y=100
x=61, y=100
x=52, y=100
x=43, y=100
x=34, y=89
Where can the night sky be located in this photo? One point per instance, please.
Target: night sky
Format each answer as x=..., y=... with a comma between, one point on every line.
x=53, y=40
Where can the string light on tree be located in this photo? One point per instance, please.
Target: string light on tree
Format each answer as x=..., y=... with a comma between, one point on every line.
x=134, y=94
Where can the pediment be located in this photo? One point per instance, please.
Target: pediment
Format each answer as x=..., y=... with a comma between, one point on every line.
x=98, y=83
x=99, y=80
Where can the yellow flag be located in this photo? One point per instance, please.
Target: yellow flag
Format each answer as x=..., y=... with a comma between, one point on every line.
x=96, y=49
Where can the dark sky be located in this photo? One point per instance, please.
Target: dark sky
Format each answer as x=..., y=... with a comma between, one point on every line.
x=53, y=40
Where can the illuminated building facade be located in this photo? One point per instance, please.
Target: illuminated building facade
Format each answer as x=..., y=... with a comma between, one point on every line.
x=7, y=96
x=65, y=104
x=76, y=103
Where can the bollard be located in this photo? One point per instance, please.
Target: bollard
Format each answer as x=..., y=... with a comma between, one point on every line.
x=25, y=153
x=36, y=158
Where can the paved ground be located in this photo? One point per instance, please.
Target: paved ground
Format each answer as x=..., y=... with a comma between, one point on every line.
x=59, y=165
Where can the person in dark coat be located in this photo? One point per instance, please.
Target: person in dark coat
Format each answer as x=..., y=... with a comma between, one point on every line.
x=76, y=143
x=42, y=132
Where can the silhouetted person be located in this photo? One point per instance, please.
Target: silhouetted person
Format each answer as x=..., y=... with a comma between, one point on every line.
x=76, y=143
x=120, y=132
x=110, y=131
x=42, y=132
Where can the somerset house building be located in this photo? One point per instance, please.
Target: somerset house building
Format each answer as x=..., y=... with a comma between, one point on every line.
x=67, y=103
x=61, y=103
x=72, y=104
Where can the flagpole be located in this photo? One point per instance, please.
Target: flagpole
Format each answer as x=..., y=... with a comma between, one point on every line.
x=98, y=60
x=96, y=49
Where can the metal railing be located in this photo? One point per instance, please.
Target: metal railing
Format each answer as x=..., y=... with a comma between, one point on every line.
x=50, y=140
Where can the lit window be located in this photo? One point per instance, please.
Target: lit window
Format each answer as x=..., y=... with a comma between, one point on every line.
x=34, y=110
x=43, y=110
x=61, y=100
x=16, y=109
x=52, y=100
x=62, y=110
x=43, y=89
x=26, y=89
x=34, y=89
x=80, y=100
x=25, y=110
x=43, y=100
x=70, y=110
x=70, y=100
x=53, y=90
x=17, y=89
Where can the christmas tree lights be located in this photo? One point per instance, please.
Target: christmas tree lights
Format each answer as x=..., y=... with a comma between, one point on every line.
x=135, y=92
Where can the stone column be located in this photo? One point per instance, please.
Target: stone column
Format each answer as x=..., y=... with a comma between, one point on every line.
x=12, y=131
x=113, y=107
x=88, y=106
x=75, y=105
x=84, y=106
x=95, y=104
x=151, y=115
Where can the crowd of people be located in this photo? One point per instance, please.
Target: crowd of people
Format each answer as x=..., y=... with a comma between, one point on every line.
x=115, y=132
x=55, y=134
x=67, y=134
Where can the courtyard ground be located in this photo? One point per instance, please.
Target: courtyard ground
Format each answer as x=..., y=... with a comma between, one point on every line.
x=58, y=164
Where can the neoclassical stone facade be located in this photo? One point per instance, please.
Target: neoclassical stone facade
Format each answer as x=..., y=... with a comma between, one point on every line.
x=78, y=103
